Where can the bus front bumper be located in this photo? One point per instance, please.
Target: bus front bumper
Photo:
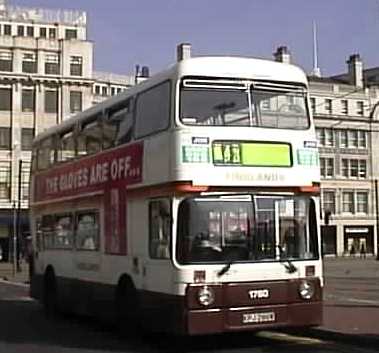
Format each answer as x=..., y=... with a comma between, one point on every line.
x=209, y=321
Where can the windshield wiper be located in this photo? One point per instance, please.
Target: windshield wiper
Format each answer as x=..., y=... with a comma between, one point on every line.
x=290, y=267
x=225, y=269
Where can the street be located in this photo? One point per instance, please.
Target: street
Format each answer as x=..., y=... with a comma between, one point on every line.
x=27, y=330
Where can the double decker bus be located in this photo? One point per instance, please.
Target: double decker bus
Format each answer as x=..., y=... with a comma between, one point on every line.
x=187, y=204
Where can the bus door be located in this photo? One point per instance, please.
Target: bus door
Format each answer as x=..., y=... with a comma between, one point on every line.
x=158, y=266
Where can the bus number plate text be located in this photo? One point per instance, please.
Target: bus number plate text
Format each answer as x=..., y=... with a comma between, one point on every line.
x=255, y=318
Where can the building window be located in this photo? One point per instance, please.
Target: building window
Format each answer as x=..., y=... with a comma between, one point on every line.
x=328, y=106
x=71, y=33
x=325, y=137
x=327, y=167
x=27, y=135
x=348, y=202
x=5, y=99
x=344, y=107
x=5, y=138
x=320, y=136
x=25, y=174
x=362, y=169
x=329, y=201
x=7, y=30
x=30, y=31
x=343, y=138
x=5, y=180
x=313, y=105
x=353, y=138
x=43, y=32
x=104, y=91
x=360, y=106
x=329, y=138
x=354, y=168
x=113, y=91
x=20, y=31
x=76, y=66
x=27, y=100
x=362, y=202
x=52, y=64
x=51, y=101
x=52, y=33
x=6, y=61
x=345, y=168
x=75, y=101
x=97, y=90
x=362, y=139
x=29, y=63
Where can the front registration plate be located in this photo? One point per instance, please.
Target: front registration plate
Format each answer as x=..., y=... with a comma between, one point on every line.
x=255, y=318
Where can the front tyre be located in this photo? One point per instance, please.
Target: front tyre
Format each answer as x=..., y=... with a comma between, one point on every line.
x=127, y=308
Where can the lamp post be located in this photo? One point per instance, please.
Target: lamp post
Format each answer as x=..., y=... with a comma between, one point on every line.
x=14, y=267
x=377, y=217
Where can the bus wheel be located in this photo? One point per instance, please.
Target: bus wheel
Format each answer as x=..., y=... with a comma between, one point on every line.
x=50, y=301
x=127, y=308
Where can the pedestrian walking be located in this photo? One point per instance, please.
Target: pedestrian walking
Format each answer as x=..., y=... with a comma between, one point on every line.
x=362, y=251
x=352, y=250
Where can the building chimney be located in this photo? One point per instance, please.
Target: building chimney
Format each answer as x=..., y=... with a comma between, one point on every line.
x=283, y=55
x=183, y=51
x=145, y=72
x=355, y=70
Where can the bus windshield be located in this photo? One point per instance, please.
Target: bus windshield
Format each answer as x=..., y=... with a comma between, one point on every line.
x=258, y=107
x=248, y=229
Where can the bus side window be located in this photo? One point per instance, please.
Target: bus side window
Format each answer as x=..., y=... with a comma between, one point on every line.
x=159, y=229
x=117, y=128
x=63, y=231
x=45, y=154
x=47, y=231
x=90, y=138
x=87, y=231
x=66, y=147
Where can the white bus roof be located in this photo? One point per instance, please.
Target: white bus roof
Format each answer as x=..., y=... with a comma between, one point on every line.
x=207, y=66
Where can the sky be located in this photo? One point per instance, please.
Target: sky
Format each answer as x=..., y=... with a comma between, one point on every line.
x=146, y=32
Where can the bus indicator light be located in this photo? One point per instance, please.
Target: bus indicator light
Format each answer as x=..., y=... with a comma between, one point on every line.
x=309, y=271
x=199, y=276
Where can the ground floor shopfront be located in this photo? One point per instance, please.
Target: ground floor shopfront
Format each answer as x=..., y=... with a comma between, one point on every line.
x=349, y=239
x=13, y=222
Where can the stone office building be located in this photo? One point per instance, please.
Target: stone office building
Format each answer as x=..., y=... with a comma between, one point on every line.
x=46, y=75
x=347, y=125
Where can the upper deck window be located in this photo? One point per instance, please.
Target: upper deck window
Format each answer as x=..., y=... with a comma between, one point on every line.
x=244, y=104
x=153, y=110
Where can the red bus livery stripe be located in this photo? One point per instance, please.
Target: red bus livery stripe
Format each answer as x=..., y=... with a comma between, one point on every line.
x=111, y=169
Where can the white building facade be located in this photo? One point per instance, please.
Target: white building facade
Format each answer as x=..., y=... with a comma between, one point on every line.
x=46, y=75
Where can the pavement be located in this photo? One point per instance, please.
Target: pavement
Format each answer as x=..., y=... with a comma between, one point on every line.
x=351, y=298
x=10, y=274
x=351, y=301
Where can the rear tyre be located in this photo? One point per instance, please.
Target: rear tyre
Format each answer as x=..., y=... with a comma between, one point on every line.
x=50, y=296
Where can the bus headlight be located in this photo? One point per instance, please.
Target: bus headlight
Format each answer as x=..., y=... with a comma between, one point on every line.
x=306, y=289
x=206, y=296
